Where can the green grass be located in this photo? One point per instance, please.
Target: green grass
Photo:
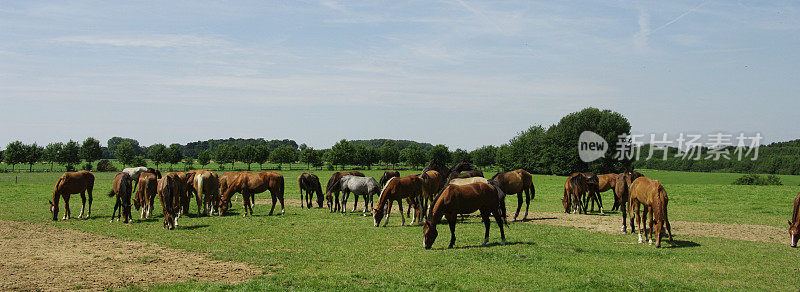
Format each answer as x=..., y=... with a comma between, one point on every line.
x=316, y=250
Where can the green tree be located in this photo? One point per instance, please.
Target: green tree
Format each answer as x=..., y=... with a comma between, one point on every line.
x=114, y=142
x=366, y=156
x=51, y=152
x=138, y=160
x=125, y=154
x=283, y=154
x=484, y=156
x=91, y=150
x=262, y=155
x=528, y=150
x=232, y=154
x=439, y=154
x=389, y=152
x=188, y=162
x=157, y=154
x=204, y=157
x=14, y=153
x=413, y=156
x=460, y=155
x=342, y=153
x=248, y=155
x=70, y=154
x=562, y=141
x=221, y=155
x=173, y=155
x=33, y=154
x=309, y=156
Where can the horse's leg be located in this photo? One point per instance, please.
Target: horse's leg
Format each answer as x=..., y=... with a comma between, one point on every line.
x=83, y=204
x=624, y=217
x=113, y=213
x=89, y=209
x=486, y=223
x=200, y=202
x=388, y=210
x=451, y=220
x=400, y=205
x=274, y=201
x=355, y=202
x=498, y=217
x=302, y=202
x=519, y=205
x=244, y=203
x=639, y=221
x=527, y=203
x=651, y=223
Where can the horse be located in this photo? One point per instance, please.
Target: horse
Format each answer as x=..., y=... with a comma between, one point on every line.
x=250, y=184
x=145, y=196
x=206, y=185
x=387, y=175
x=398, y=188
x=651, y=194
x=433, y=184
x=80, y=182
x=367, y=187
x=477, y=179
x=574, y=189
x=794, y=224
x=621, y=190
x=168, y=189
x=464, y=199
x=224, y=180
x=445, y=172
x=121, y=188
x=135, y=172
x=310, y=183
x=517, y=182
x=333, y=188
x=183, y=195
x=592, y=192
x=608, y=182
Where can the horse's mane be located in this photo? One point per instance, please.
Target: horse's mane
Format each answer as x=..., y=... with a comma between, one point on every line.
x=796, y=208
x=332, y=181
x=462, y=166
x=496, y=174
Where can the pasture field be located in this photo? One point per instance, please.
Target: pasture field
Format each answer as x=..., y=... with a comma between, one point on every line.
x=316, y=250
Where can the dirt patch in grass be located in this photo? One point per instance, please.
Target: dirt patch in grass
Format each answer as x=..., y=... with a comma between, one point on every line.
x=38, y=257
x=612, y=223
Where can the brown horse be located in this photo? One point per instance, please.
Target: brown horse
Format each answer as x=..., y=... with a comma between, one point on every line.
x=464, y=199
x=794, y=224
x=467, y=174
x=608, y=182
x=621, y=190
x=80, y=182
x=575, y=189
x=249, y=184
x=206, y=187
x=121, y=189
x=433, y=183
x=309, y=183
x=398, y=188
x=169, y=187
x=652, y=195
x=334, y=187
x=592, y=192
x=146, y=194
x=387, y=175
x=517, y=182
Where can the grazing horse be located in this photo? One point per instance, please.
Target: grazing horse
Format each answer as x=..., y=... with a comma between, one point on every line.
x=517, y=182
x=206, y=186
x=121, y=188
x=398, y=188
x=225, y=180
x=621, y=190
x=387, y=175
x=476, y=179
x=80, y=182
x=367, y=187
x=794, y=224
x=464, y=199
x=135, y=172
x=651, y=194
x=168, y=189
x=310, y=184
x=145, y=196
x=433, y=184
x=608, y=182
x=249, y=184
x=574, y=189
x=333, y=188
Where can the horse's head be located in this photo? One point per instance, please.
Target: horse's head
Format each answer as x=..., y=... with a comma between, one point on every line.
x=433, y=165
x=429, y=234
x=566, y=202
x=794, y=233
x=377, y=215
x=54, y=210
x=463, y=166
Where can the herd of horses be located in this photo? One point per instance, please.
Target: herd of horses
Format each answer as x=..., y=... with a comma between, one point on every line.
x=434, y=193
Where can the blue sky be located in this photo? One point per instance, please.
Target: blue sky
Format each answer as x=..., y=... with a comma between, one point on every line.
x=460, y=73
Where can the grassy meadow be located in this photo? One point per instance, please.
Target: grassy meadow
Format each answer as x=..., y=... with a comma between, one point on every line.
x=317, y=250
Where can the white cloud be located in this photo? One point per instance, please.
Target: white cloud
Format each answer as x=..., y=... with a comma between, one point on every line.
x=145, y=40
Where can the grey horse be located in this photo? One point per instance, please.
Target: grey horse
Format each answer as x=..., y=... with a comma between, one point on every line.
x=359, y=186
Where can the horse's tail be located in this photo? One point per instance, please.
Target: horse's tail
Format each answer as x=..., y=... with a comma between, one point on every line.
x=577, y=189
x=533, y=191
x=660, y=204
x=111, y=193
x=501, y=207
x=199, y=189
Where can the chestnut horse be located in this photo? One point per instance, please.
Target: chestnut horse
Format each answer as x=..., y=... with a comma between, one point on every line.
x=517, y=182
x=121, y=189
x=169, y=187
x=574, y=189
x=476, y=179
x=794, y=224
x=310, y=184
x=250, y=184
x=80, y=182
x=592, y=192
x=387, y=175
x=621, y=190
x=608, y=182
x=651, y=194
x=206, y=187
x=146, y=194
x=464, y=199
x=224, y=180
x=398, y=188
x=334, y=187
x=433, y=183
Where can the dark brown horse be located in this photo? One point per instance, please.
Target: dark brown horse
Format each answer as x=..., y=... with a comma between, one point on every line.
x=794, y=224
x=592, y=192
x=621, y=190
x=309, y=183
x=80, y=182
x=575, y=189
x=652, y=195
x=146, y=194
x=169, y=187
x=387, y=175
x=464, y=199
x=398, y=188
x=608, y=182
x=249, y=184
x=517, y=182
x=121, y=188
x=334, y=187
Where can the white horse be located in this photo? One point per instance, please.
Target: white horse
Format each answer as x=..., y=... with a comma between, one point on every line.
x=360, y=186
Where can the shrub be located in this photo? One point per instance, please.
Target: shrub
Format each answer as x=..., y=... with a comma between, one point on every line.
x=105, y=165
x=757, y=180
x=87, y=166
